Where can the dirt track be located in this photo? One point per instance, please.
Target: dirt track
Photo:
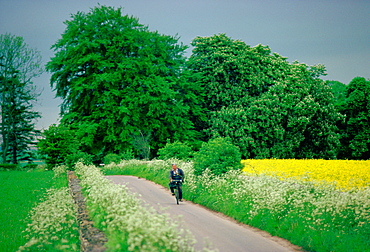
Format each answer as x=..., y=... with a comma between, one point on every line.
x=207, y=226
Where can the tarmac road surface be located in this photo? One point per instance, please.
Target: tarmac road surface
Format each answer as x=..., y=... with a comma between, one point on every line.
x=207, y=226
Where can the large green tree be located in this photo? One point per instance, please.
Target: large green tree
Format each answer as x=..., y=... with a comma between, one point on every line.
x=18, y=65
x=339, y=91
x=267, y=106
x=295, y=120
x=120, y=82
x=231, y=72
x=356, y=129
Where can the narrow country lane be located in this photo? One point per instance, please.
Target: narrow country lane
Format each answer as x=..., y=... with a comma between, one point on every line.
x=207, y=226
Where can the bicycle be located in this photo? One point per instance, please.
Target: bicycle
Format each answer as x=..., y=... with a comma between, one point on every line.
x=176, y=187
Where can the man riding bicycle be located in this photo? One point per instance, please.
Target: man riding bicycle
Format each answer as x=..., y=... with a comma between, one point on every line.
x=176, y=175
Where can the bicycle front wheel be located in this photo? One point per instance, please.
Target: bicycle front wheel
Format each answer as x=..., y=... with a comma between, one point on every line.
x=177, y=195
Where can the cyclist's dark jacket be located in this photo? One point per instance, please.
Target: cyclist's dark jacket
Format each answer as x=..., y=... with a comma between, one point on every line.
x=177, y=176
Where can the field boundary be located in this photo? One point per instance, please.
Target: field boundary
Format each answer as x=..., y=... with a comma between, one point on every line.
x=91, y=238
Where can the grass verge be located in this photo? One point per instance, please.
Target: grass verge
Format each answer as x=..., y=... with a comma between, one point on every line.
x=315, y=217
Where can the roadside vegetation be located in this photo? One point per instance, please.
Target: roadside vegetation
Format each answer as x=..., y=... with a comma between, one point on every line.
x=315, y=216
x=124, y=219
x=117, y=212
x=52, y=223
x=309, y=211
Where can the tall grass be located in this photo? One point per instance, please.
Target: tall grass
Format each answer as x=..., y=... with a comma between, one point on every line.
x=124, y=219
x=53, y=222
x=317, y=217
x=20, y=191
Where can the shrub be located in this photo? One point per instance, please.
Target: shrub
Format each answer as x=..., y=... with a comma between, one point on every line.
x=111, y=158
x=176, y=150
x=128, y=155
x=79, y=156
x=30, y=165
x=219, y=155
x=8, y=167
x=59, y=143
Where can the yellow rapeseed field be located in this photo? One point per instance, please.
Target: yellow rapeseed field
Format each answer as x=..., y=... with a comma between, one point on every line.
x=345, y=174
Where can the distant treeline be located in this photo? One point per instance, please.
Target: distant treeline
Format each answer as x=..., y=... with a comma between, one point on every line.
x=129, y=91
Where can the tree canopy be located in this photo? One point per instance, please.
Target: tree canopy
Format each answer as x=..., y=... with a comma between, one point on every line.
x=119, y=82
x=356, y=129
x=232, y=72
x=267, y=106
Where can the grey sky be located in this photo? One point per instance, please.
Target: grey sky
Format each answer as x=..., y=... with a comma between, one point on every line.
x=335, y=33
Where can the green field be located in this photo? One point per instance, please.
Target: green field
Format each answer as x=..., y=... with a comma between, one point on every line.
x=20, y=192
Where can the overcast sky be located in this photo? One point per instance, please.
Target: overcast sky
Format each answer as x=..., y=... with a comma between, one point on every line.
x=335, y=33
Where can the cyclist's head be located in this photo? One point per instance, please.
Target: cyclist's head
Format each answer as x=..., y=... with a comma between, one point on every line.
x=174, y=166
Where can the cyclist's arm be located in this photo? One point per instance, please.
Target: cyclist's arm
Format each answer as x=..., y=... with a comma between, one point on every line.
x=182, y=175
x=170, y=176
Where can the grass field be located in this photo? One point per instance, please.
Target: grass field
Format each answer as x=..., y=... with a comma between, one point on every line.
x=20, y=191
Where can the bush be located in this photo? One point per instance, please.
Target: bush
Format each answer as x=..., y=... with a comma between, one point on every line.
x=58, y=145
x=176, y=150
x=128, y=155
x=79, y=156
x=112, y=158
x=8, y=167
x=219, y=155
x=30, y=165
